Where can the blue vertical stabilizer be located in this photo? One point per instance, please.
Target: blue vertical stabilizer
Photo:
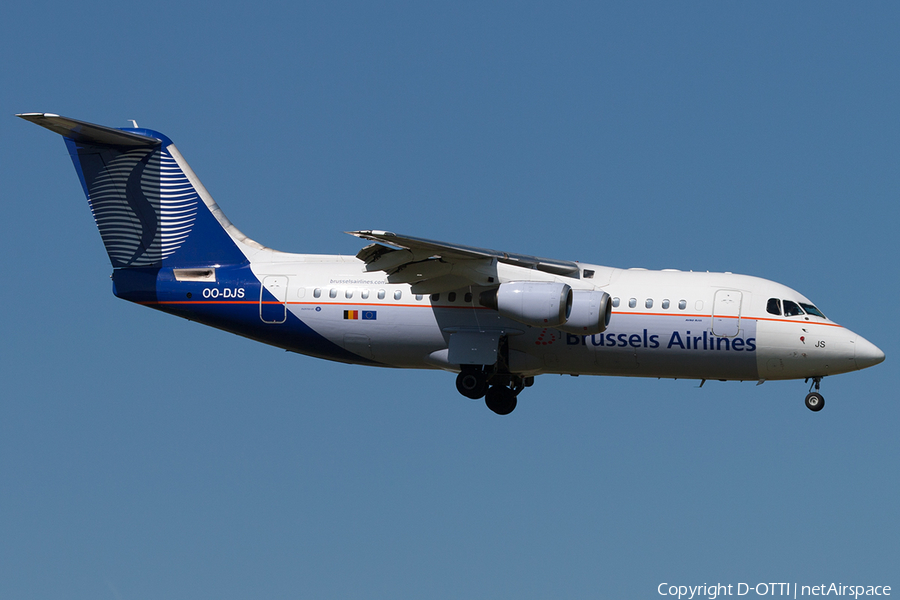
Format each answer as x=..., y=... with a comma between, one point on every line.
x=150, y=208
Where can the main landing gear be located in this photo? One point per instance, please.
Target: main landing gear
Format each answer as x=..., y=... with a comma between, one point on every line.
x=494, y=383
x=814, y=400
x=499, y=390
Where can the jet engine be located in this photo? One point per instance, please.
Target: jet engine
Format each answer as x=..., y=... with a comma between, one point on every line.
x=538, y=303
x=591, y=310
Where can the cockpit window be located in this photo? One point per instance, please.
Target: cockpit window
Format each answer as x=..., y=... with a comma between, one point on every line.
x=774, y=306
x=791, y=309
x=812, y=310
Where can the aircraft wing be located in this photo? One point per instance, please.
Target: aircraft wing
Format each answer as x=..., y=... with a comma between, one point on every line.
x=431, y=266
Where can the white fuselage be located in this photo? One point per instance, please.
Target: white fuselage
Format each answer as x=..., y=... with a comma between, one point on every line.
x=664, y=323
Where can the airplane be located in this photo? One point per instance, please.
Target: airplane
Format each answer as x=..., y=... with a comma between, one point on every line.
x=497, y=319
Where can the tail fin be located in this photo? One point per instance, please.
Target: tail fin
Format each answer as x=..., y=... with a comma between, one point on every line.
x=148, y=204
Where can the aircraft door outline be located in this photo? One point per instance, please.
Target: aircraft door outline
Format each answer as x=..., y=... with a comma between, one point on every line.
x=726, y=316
x=269, y=312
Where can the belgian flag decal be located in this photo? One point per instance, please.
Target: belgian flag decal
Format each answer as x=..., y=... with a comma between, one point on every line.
x=365, y=315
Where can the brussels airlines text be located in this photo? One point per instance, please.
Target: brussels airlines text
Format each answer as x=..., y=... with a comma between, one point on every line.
x=680, y=340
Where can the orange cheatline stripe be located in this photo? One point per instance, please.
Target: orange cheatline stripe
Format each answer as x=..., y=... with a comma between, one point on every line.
x=797, y=322
x=387, y=305
x=309, y=303
x=656, y=314
x=205, y=302
x=617, y=312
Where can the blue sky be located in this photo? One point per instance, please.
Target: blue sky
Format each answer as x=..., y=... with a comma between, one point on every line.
x=142, y=456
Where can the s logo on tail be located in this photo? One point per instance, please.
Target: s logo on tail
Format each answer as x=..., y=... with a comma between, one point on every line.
x=142, y=202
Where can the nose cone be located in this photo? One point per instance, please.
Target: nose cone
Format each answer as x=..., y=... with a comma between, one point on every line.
x=867, y=353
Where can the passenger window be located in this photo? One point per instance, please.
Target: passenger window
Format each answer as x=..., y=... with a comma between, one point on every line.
x=348, y=294
x=364, y=294
x=451, y=297
x=435, y=297
x=397, y=295
x=665, y=304
x=419, y=297
x=317, y=292
x=615, y=303
x=632, y=302
x=381, y=294
x=332, y=293
x=773, y=306
x=648, y=303
x=791, y=309
x=682, y=304
x=812, y=310
x=468, y=297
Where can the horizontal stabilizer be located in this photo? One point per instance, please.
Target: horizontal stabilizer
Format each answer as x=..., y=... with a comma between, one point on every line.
x=89, y=133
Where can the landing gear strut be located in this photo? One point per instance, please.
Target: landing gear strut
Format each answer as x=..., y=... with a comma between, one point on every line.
x=814, y=400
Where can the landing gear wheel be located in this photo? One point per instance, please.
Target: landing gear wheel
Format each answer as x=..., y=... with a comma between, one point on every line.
x=815, y=402
x=500, y=399
x=471, y=384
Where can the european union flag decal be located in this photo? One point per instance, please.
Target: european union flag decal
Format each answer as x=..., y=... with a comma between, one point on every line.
x=365, y=315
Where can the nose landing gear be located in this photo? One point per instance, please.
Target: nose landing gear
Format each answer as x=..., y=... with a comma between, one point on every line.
x=814, y=400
